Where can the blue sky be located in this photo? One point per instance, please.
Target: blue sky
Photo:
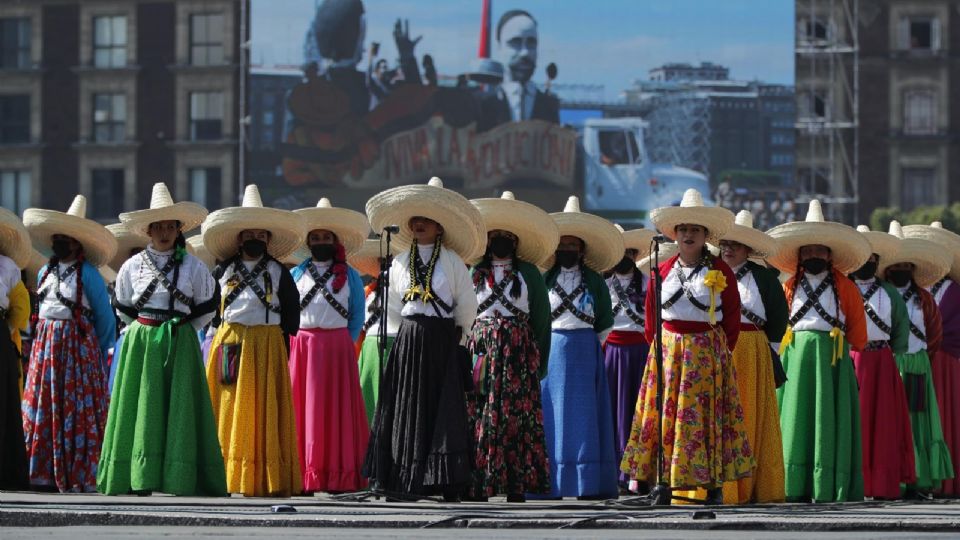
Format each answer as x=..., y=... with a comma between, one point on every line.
x=608, y=42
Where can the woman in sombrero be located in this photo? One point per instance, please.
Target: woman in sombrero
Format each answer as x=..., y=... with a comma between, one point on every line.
x=819, y=406
x=247, y=371
x=420, y=442
x=65, y=398
x=702, y=427
x=944, y=363
x=331, y=420
x=510, y=345
x=625, y=349
x=163, y=294
x=15, y=253
x=888, y=457
x=128, y=245
x=919, y=263
x=576, y=396
x=763, y=319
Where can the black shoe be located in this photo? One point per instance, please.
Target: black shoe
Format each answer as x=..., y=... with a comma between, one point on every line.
x=714, y=497
x=661, y=495
x=451, y=495
x=516, y=498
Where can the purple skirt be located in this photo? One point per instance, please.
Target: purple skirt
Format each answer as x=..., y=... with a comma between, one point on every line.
x=624, y=365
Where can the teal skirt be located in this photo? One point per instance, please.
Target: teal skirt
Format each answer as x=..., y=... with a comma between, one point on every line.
x=929, y=446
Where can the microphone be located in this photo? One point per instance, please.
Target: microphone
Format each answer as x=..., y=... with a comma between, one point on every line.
x=392, y=229
x=660, y=239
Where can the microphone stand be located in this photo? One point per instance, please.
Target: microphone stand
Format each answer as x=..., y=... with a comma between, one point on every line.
x=660, y=495
x=383, y=288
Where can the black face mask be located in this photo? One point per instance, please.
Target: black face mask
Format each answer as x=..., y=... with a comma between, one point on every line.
x=254, y=247
x=568, y=259
x=899, y=278
x=501, y=247
x=867, y=271
x=323, y=252
x=624, y=266
x=815, y=265
x=61, y=248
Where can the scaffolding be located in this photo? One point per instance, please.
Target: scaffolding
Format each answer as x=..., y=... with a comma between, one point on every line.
x=680, y=129
x=827, y=81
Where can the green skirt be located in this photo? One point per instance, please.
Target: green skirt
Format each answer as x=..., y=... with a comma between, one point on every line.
x=370, y=370
x=161, y=435
x=929, y=446
x=820, y=421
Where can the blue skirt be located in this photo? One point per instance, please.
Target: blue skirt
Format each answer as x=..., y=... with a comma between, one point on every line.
x=577, y=417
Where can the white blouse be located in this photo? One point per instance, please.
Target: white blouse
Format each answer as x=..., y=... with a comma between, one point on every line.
x=812, y=320
x=750, y=297
x=522, y=303
x=683, y=309
x=880, y=302
x=440, y=286
x=569, y=279
x=195, y=281
x=915, y=312
x=319, y=313
x=393, y=322
x=247, y=308
x=9, y=276
x=50, y=306
x=621, y=321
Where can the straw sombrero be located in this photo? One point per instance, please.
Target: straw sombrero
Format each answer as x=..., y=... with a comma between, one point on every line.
x=351, y=227
x=99, y=245
x=849, y=249
x=463, y=228
x=638, y=239
x=221, y=228
x=930, y=260
x=949, y=241
x=667, y=250
x=162, y=208
x=126, y=240
x=604, y=242
x=691, y=211
x=108, y=274
x=196, y=248
x=761, y=244
x=367, y=259
x=14, y=239
x=881, y=243
x=537, y=233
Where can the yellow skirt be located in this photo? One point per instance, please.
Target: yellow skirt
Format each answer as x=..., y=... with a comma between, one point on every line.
x=255, y=419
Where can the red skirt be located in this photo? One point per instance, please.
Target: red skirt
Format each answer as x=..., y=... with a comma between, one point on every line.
x=888, y=458
x=946, y=383
x=331, y=419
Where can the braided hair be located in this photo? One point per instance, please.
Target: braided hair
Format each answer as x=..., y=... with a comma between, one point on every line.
x=483, y=274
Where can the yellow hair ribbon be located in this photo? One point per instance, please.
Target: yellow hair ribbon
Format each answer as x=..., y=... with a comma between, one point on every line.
x=787, y=339
x=716, y=282
x=837, y=335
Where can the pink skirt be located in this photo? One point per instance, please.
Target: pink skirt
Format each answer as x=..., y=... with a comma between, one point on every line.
x=946, y=383
x=888, y=458
x=331, y=420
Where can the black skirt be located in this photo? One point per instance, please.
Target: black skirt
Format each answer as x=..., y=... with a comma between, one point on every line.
x=13, y=450
x=421, y=442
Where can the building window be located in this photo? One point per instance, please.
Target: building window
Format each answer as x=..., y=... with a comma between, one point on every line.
x=206, y=116
x=107, y=192
x=919, y=112
x=14, y=119
x=15, y=43
x=815, y=29
x=110, y=41
x=920, y=33
x=205, y=186
x=109, y=117
x=781, y=160
x=917, y=187
x=15, y=190
x=206, y=39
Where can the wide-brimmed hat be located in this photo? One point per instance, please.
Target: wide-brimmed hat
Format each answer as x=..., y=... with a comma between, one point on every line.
x=667, y=250
x=463, y=226
x=760, y=243
x=162, y=208
x=849, y=249
x=603, y=241
x=691, y=211
x=537, y=233
x=126, y=240
x=350, y=226
x=881, y=243
x=108, y=274
x=196, y=248
x=220, y=229
x=99, y=245
x=931, y=262
x=14, y=239
x=367, y=259
x=949, y=241
x=638, y=239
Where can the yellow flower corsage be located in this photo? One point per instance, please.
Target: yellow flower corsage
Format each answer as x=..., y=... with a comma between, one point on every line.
x=716, y=282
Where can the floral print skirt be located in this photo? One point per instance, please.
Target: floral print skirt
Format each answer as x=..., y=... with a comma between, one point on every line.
x=704, y=435
x=505, y=410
